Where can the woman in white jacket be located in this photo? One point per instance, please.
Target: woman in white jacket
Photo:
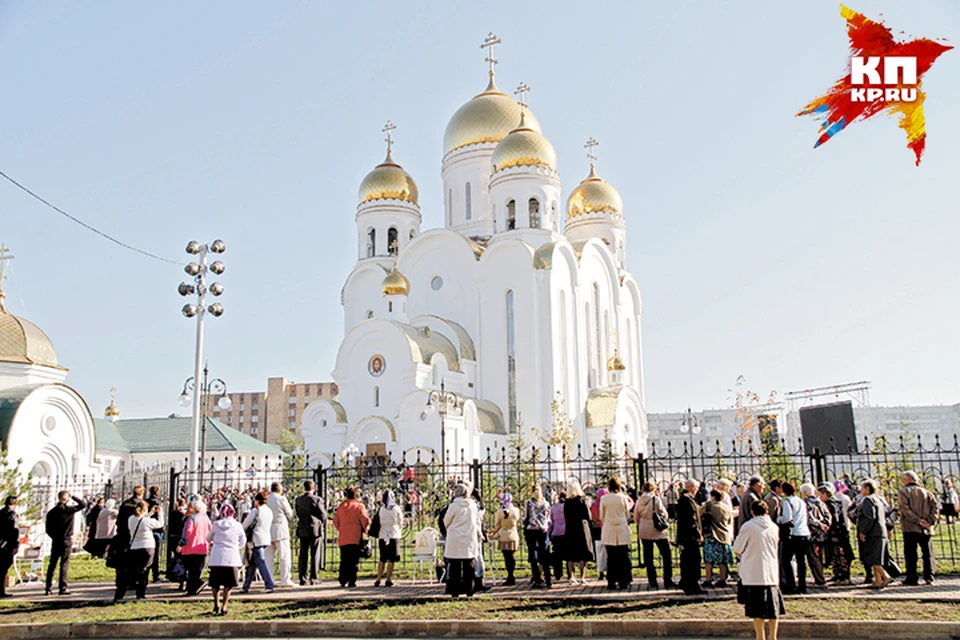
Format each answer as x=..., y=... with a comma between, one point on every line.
x=258, y=523
x=759, y=590
x=226, y=539
x=391, y=528
x=462, y=543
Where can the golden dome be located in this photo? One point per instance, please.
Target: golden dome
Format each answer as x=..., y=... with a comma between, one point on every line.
x=388, y=181
x=615, y=363
x=112, y=411
x=593, y=195
x=488, y=117
x=23, y=342
x=524, y=147
x=395, y=284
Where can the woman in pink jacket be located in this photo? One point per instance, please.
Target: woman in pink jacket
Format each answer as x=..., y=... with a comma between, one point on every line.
x=193, y=544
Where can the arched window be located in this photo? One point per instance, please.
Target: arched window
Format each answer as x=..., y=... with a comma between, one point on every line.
x=390, y=306
x=376, y=396
x=511, y=365
x=511, y=215
x=533, y=207
x=412, y=234
x=596, y=324
x=467, y=198
x=371, y=243
x=590, y=347
x=392, y=246
x=450, y=208
x=564, y=360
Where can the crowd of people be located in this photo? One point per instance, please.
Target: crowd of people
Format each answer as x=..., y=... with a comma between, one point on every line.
x=774, y=534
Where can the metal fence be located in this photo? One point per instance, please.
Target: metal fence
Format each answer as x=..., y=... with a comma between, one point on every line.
x=421, y=482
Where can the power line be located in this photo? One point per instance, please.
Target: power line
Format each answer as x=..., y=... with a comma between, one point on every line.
x=84, y=224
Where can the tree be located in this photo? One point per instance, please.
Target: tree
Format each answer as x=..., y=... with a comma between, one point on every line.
x=561, y=437
x=292, y=444
x=517, y=444
x=748, y=422
x=607, y=457
x=14, y=483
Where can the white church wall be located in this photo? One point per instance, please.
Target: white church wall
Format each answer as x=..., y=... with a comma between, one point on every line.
x=449, y=257
x=362, y=294
x=471, y=166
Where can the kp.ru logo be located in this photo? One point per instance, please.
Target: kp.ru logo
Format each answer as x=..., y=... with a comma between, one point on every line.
x=884, y=77
x=866, y=71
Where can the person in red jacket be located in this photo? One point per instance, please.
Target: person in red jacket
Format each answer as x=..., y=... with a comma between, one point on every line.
x=351, y=522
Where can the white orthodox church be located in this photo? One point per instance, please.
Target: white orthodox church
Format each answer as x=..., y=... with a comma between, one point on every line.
x=521, y=295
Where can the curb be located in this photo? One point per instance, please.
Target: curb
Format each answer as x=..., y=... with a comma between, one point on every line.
x=854, y=629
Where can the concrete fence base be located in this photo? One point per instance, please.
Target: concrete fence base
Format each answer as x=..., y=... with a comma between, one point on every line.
x=867, y=630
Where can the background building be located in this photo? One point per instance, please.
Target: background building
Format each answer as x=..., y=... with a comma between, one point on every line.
x=265, y=414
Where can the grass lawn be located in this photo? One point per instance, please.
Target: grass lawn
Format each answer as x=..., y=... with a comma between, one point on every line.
x=483, y=608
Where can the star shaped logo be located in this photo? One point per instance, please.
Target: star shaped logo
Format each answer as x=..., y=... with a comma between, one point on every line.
x=884, y=76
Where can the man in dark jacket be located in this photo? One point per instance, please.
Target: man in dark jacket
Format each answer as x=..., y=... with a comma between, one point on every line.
x=59, y=526
x=753, y=493
x=9, y=540
x=689, y=538
x=121, y=540
x=310, y=520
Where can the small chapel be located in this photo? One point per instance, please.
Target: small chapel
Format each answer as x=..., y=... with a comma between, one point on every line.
x=519, y=304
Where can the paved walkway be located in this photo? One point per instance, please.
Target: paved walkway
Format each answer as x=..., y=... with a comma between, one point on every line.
x=945, y=589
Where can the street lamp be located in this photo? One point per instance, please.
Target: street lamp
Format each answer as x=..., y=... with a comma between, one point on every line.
x=209, y=389
x=445, y=401
x=690, y=424
x=198, y=270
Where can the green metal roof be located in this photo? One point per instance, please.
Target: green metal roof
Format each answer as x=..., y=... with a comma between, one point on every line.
x=144, y=435
x=108, y=437
x=10, y=401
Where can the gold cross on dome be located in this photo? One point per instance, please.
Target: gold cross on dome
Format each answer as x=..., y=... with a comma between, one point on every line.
x=113, y=395
x=590, y=146
x=522, y=90
x=387, y=129
x=489, y=43
x=5, y=257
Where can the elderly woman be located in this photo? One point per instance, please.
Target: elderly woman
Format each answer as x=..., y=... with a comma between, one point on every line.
x=578, y=542
x=351, y=521
x=649, y=504
x=462, y=542
x=837, y=544
x=226, y=539
x=818, y=521
x=506, y=534
x=717, y=523
x=536, y=523
x=759, y=592
x=391, y=528
x=615, y=510
x=872, y=531
x=193, y=544
x=106, y=527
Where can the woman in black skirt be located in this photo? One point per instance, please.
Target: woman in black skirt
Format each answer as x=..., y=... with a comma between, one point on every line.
x=227, y=539
x=759, y=590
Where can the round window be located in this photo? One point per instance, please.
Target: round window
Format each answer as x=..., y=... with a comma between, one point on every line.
x=423, y=416
x=323, y=423
x=49, y=424
x=436, y=283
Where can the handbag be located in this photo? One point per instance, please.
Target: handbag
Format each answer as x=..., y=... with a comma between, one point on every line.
x=659, y=522
x=374, y=530
x=177, y=573
x=116, y=552
x=366, y=551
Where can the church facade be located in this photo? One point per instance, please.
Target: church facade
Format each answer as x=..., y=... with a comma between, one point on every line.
x=521, y=299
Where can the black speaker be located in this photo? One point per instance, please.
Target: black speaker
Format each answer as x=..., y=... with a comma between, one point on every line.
x=821, y=423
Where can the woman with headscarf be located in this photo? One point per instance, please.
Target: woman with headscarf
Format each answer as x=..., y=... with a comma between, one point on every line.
x=462, y=542
x=391, y=528
x=578, y=542
x=838, y=550
x=536, y=523
x=506, y=534
x=226, y=539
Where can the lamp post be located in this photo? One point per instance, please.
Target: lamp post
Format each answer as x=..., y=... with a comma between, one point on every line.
x=208, y=390
x=199, y=270
x=690, y=424
x=444, y=401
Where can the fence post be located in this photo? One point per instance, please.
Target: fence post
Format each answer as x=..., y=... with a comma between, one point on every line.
x=475, y=474
x=819, y=461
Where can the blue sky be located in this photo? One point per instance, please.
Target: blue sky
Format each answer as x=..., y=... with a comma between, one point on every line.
x=255, y=122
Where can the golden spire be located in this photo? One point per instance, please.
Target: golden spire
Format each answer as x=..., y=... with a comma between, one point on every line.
x=5, y=257
x=112, y=412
